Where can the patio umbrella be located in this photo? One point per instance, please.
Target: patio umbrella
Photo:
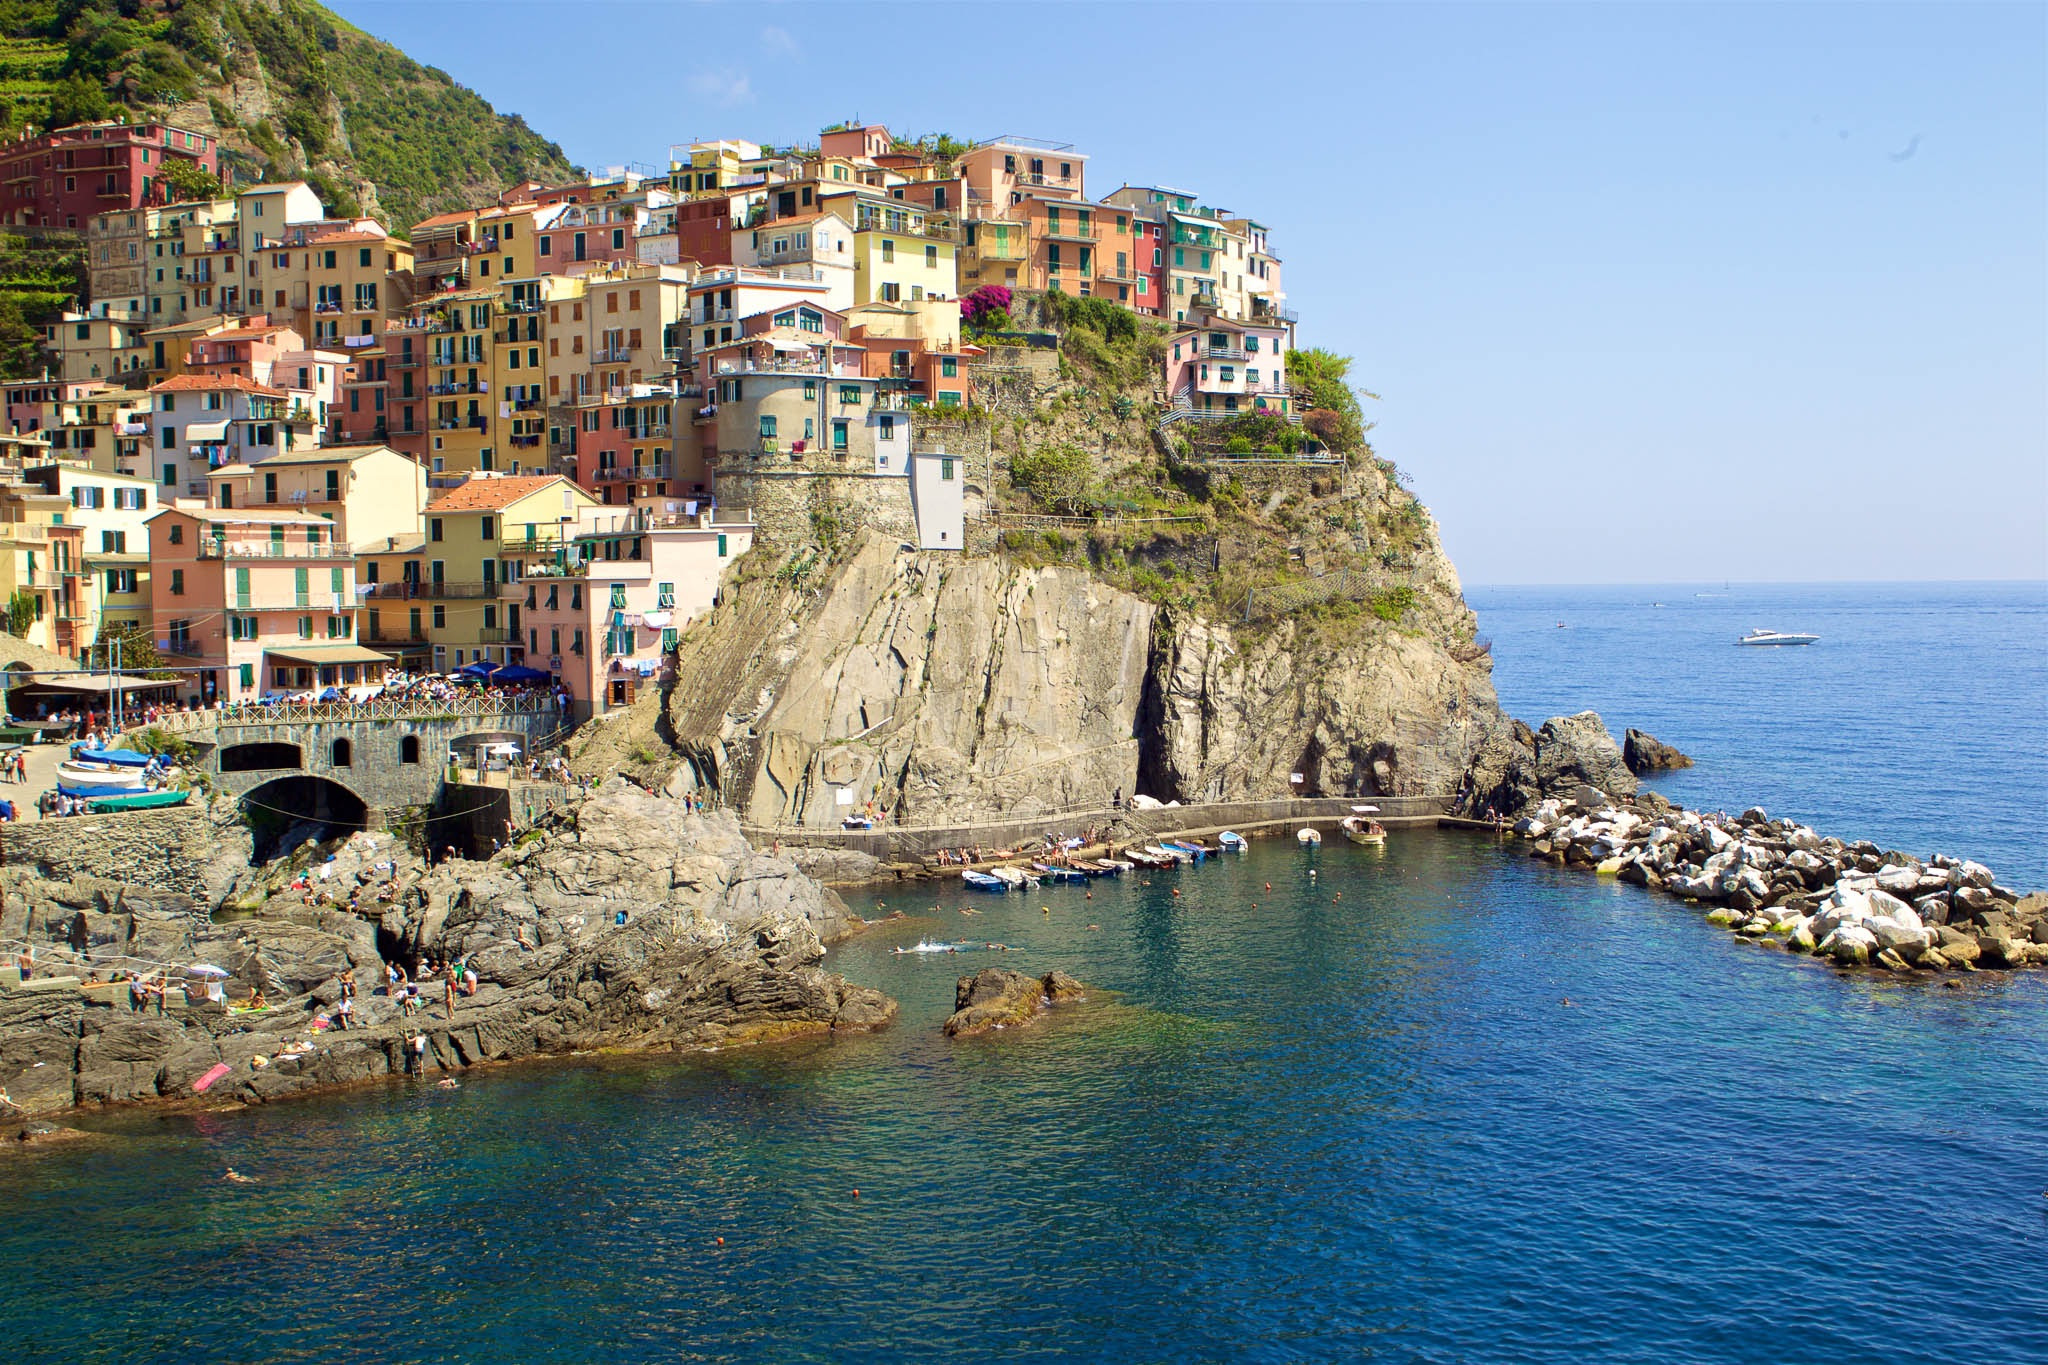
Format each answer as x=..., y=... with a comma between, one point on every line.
x=206, y=969
x=519, y=673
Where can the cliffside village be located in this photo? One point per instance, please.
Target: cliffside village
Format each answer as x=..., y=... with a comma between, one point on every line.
x=305, y=453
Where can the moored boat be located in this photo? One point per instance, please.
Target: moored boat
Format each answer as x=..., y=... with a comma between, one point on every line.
x=72, y=773
x=1195, y=851
x=1309, y=835
x=1233, y=842
x=982, y=881
x=1058, y=874
x=1360, y=829
x=141, y=801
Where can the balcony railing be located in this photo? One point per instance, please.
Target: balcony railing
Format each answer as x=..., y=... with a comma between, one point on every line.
x=181, y=646
x=327, y=306
x=381, y=636
x=1071, y=232
x=271, y=549
x=430, y=591
x=634, y=473
x=466, y=386
x=523, y=306
x=524, y=442
x=1215, y=352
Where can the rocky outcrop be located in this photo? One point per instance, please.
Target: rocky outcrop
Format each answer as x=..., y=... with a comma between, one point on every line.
x=1779, y=882
x=1648, y=754
x=947, y=688
x=1514, y=766
x=628, y=923
x=996, y=998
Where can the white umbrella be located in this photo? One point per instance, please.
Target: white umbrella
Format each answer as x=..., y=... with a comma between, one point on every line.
x=205, y=969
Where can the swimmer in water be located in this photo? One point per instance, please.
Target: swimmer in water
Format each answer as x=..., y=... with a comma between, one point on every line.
x=235, y=1176
x=450, y=1083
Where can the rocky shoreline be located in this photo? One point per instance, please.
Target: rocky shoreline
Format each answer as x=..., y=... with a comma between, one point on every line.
x=1781, y=883
x=628, y=923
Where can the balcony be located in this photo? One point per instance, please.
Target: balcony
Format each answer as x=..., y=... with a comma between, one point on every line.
x=327, y=306
x=612, y=355
x=271, y=549
x=634, y=473
x=524, y=306
x=381, y=636
x=1215, y=352
x=1070, y=232
x=469, y=386
x=525, y=442
x=431, y=592
x=183, y=647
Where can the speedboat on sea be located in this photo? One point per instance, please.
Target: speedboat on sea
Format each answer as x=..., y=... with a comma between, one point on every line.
x=1776, y=637
x=925, y=945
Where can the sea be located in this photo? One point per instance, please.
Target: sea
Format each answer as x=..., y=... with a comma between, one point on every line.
x=1435, y=1101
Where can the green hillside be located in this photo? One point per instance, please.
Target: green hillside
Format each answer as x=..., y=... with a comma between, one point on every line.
x=290, y=89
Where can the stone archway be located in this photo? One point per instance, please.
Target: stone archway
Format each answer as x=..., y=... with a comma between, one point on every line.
x=260, y=756
x=288, y=811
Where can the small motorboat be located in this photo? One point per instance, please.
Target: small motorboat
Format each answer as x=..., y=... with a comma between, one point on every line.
x=1360, y=828
x=1232, y=842
x=118, y=758
x=1117, y=866
x=1170, y=853
x=140, y=801
x=1146, y=858
x=1776, y=637
x=85, y=779
x=1195, y=851
x=1308, y=836
x=982, y=881
x=1058, y=874
x=1015, y=878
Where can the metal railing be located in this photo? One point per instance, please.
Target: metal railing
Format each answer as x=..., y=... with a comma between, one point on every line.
x=377, y=708
x=428, y=592
x=260, y=549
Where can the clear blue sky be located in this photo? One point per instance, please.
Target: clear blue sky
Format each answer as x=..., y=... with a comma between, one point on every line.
x=1742, y=292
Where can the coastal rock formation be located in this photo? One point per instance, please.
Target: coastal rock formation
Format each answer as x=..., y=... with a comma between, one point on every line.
x=628, y=923
x=996, y=997
x=1648, y=754
x=1514, y=766
x=946, y=688
x=1780, y=882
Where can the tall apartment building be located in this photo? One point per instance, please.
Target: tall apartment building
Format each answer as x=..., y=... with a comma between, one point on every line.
x=63, y=178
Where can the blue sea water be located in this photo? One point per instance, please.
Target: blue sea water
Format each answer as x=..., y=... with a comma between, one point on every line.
x=1339, y=1116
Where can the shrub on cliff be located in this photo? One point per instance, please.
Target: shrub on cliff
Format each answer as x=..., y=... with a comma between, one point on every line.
x=1060, y=479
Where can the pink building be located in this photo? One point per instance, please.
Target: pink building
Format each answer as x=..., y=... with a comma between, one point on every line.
x=62, y=179
x=260, y=600
x=604, y=610
x=1217, y=365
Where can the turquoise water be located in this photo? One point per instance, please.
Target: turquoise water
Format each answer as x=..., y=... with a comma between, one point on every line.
x=1347, y=1117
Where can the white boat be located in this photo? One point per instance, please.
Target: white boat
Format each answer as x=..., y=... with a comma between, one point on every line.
x=1309, y=836
x=1174, y=854
x=1016, y=878
x=1233, y=842
x=1361, y=829
x=1776, y=637
x=99, y=779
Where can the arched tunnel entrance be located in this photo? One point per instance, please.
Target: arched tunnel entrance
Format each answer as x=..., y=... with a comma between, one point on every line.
x=289, y=811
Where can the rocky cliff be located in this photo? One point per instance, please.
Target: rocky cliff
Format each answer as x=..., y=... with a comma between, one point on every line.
x=629, y=923
x=953, y=688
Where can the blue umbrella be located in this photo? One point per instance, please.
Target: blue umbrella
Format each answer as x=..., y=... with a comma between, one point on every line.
x=513, y=673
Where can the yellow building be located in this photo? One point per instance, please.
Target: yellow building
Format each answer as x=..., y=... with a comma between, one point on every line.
x=46, y=591
x=111, y=512
x=370, y=492
x=452, y=589
x=336, y=283
x=901, y=254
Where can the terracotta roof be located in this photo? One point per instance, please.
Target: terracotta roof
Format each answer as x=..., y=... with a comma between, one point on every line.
x=445, y=219
x=204, y=382
x=347, y=235
x=347, y=454
x=493, y=494
x=244, y=516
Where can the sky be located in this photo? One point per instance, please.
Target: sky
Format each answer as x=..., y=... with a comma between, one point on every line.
x=1646, y=293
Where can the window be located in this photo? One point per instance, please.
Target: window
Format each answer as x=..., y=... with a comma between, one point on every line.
x=839, y=434
x=409, y=749
x=490, y=527
x=888, y=251
x=850, y=394
x=886, y=428
x=665, y=596
x=178, y=582
x=931, y=258
x=946, y=468
x=433, y=528
x=949, y=366
x=305, y=627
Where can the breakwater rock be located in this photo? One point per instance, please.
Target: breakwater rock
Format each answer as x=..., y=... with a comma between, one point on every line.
x=627, y=922
x=1515, y=765
x=1648, y=754
x=995, y=997
x=1782, y=883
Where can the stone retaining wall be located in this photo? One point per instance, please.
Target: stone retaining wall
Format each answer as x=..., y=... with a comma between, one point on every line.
x=170, y=849
x=908, y=843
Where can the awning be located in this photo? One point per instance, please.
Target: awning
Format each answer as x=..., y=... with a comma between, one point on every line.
x=206, y=431
x=780, y=344
x=319, y=655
